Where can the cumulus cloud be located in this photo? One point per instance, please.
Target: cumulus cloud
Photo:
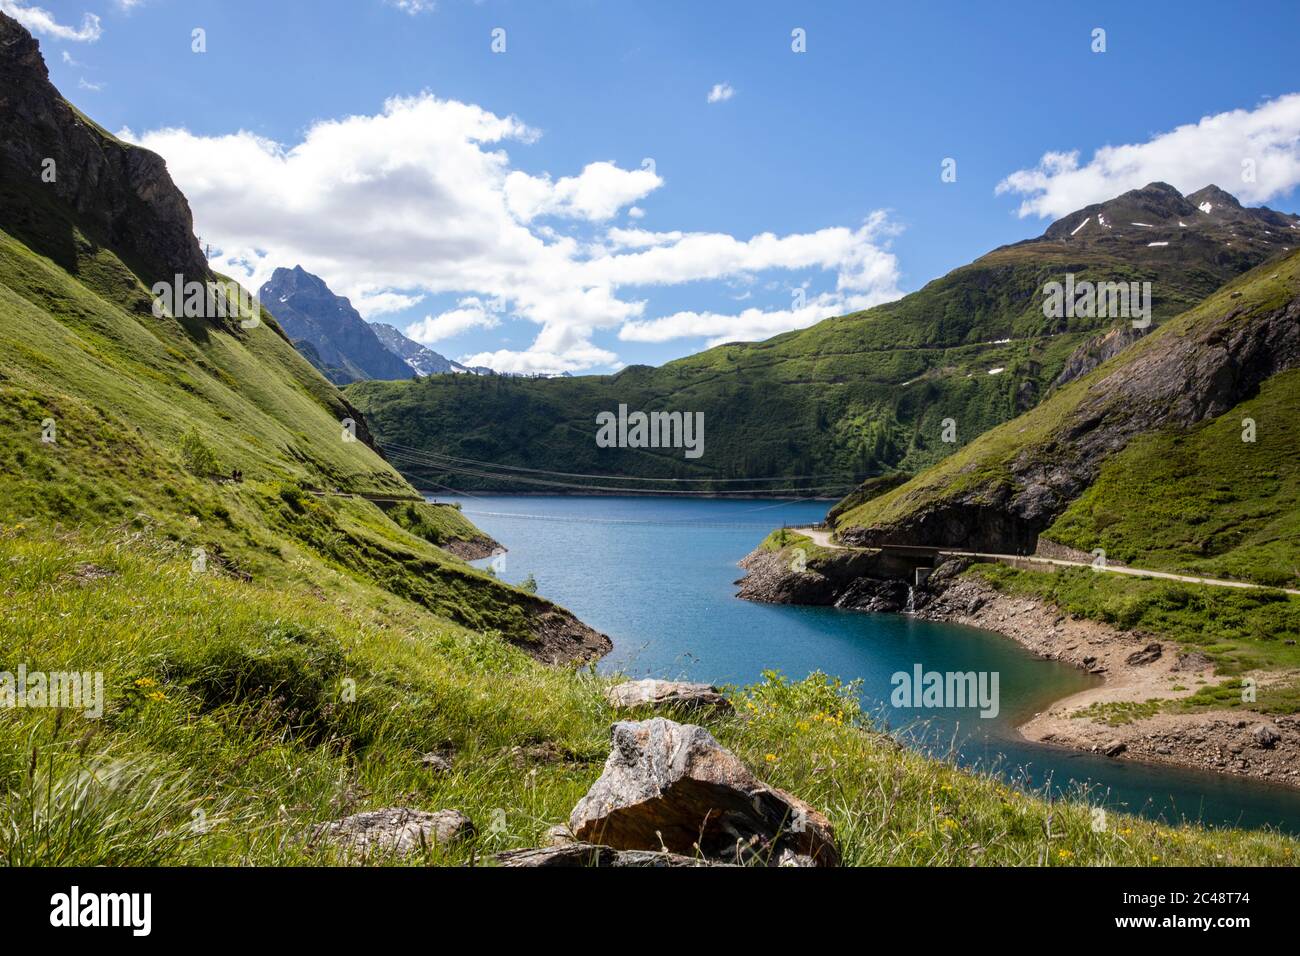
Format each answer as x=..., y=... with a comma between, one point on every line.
x=721, y=92
x=750, y=324
x=1218, y=149
x=422, y=199
x=535, y=362
x=381, y=303
x=471, y=313
x=40, y=20
x=598, y=193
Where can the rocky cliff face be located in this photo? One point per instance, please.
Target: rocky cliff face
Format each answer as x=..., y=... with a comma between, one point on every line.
x=52, y=156
x=849, y=580
x=1186, y=380
x=1097, y=351
x=343, y=345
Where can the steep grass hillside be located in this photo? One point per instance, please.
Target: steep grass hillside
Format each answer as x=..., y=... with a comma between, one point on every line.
x=210, y=433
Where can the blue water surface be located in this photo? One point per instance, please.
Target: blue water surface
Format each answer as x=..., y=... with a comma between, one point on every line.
x=657, y=575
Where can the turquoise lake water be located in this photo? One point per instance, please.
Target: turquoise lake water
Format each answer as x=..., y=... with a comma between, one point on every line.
x=658, y=577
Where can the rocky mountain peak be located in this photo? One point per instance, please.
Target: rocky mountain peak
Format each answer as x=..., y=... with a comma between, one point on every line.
x=1215, y=197
x=299, y=281
x=56, y=164
x=1159, y=221
x=327, y=330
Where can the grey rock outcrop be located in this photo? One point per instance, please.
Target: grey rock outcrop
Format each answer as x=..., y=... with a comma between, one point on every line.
x=670, y=786
x=343, y=346
x=1149, y=654
x=1098, y=351
x=1265, y=735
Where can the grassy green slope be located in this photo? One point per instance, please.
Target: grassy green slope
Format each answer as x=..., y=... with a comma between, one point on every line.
x=849, y=397
x=1198, y=500
x=1203, y=501
x=127, y=392
x=228, y=735
x=327, y=645
x=249, y=394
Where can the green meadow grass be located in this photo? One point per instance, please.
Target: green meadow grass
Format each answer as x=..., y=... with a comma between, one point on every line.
x=274, y=658
x=231, y=731
x=1203, y=502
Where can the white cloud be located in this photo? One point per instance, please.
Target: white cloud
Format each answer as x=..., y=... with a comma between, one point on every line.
x=413, y=7
x=598, y=193
x=721, y=92
x=533, y=362
x=381, y=303
x=640, y=238
x=636, y=212
x=751, y=324
x=470, y=313
x=40, y=20
x=1187, y=157
x=126, y=6
x=421, y=199
x=84, y=84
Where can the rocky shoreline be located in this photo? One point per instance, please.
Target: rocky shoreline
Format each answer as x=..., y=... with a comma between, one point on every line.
x=473, y=549
x=1133, y=668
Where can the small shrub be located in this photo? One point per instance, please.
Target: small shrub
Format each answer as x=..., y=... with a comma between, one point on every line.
x=291, y=494
x=197, y=455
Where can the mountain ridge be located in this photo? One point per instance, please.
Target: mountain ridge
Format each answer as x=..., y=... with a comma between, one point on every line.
x=856, y=396
x=422, y=360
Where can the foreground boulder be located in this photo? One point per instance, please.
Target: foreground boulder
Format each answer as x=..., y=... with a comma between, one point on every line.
x=665, y=693
x=396, y=830
x=672, y=787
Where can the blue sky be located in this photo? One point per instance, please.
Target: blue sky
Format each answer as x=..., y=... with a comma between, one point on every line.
x=461, y=210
